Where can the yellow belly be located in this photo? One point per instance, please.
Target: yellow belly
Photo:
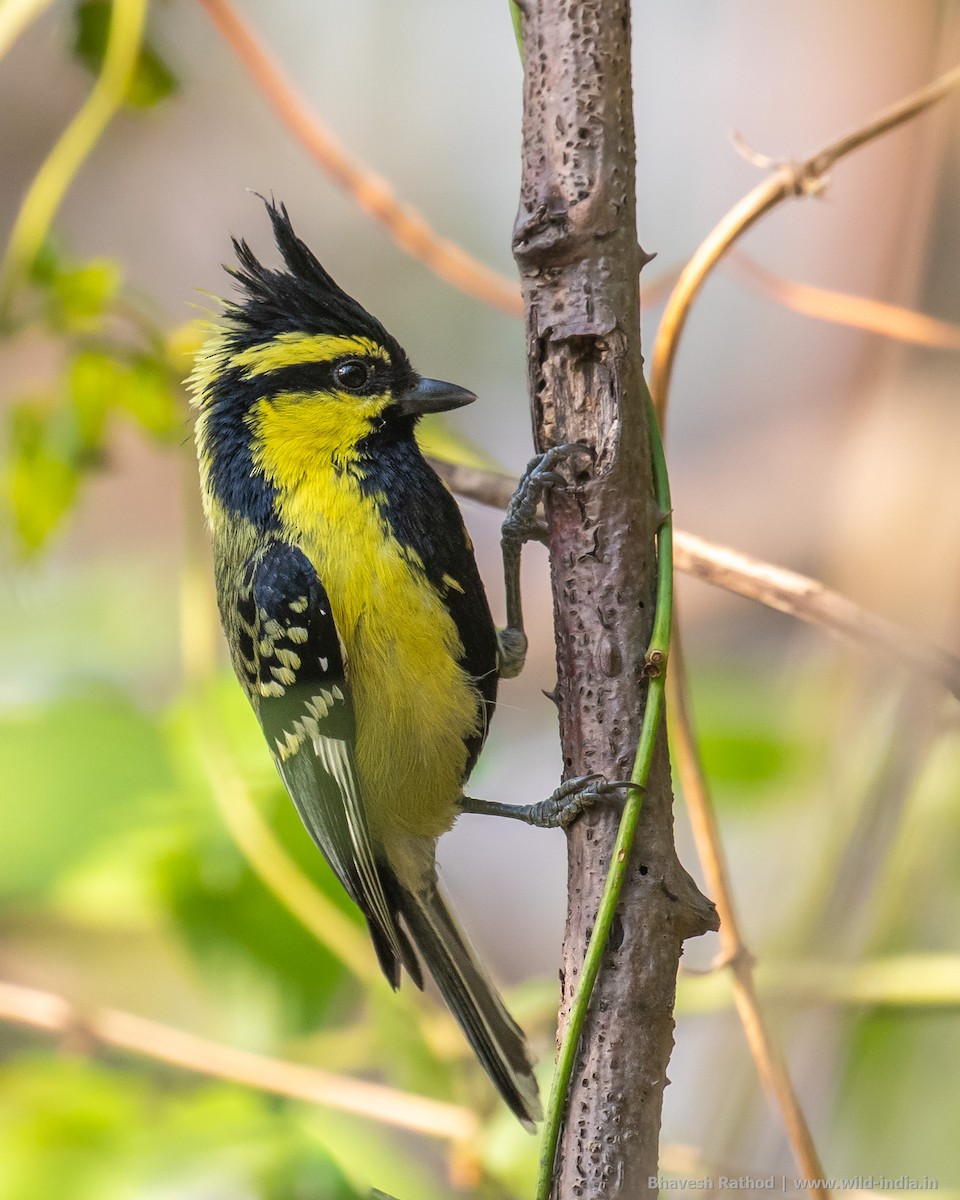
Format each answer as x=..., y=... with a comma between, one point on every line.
x=414, y=704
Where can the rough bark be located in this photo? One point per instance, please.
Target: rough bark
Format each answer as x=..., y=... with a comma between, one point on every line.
x=576, y=246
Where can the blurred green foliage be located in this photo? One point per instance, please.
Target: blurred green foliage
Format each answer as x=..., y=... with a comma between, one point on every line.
x=120, y=883
x=115, y=365
x=74, y=1128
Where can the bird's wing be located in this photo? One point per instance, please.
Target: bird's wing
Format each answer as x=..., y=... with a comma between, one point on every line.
x=297, y=669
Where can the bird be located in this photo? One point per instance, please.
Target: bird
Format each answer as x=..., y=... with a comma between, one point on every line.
x=356, y=620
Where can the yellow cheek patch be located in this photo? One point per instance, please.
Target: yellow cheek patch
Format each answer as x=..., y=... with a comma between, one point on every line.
x=294, y=349
x=297, y=435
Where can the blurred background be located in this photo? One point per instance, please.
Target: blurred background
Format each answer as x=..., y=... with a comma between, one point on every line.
x=148, y=860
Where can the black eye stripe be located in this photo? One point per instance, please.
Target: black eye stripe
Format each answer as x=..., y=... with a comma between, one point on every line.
x=319, y=377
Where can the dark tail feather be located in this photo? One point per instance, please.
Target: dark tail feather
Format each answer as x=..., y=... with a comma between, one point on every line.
x=387, y=957
x=496, y=1038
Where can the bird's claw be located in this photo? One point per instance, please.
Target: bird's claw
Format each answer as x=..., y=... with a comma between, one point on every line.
x=520, y=524
x=572, y=798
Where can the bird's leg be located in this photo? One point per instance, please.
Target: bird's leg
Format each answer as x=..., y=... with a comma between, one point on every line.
x=559, y=810
x=521, y=525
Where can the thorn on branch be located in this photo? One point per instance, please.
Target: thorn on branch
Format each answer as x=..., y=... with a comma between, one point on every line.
x=646, y=256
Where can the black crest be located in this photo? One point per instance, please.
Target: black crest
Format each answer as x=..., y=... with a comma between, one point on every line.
x=302, y=298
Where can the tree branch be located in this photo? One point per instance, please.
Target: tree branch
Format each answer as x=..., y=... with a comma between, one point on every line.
x=839, y=308
x=111, y=1027
x=767, y=1058
x=807, y=178
x=655, y=664
x=809, y=600
x=575, y=244
x=775, y=587
x=372, y=193
x=791, y=179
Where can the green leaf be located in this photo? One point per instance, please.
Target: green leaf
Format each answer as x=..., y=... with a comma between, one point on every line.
x=41, y=475
x=516, y=17
x=436, y=439
x=46, y=263
x=152, y=80
x=145, y=391
x=745, y=756
x=63, y=1125
x=142, y=388
x=249, y=945
x=752, y=744
x=91, y=381
x=79, y=297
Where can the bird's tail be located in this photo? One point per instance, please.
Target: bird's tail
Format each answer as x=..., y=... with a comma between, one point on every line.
x=496, y=1038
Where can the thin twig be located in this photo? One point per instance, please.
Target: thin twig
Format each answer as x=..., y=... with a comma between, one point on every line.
x=768, y=1060
x=370, y=191
x=111, y=1027
x=901, y=981
x=791, y=179
x=808, y=600
x=775, y=587
x=888, y=320
x=806, y=178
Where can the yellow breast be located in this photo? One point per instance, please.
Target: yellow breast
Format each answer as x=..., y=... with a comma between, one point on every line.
x=414, y=704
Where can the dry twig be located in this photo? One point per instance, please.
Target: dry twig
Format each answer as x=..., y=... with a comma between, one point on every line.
x=790, y=179
x=809, y=600
x=775, y=587
x=859, y=312
x=769, y=1062
x=111, y=1027
x=371, y=192
x=807, y=178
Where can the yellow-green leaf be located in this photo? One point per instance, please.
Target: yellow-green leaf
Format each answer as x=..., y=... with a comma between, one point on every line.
x=79, y=297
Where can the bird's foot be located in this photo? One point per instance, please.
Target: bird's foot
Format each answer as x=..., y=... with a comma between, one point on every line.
x=521, y=525
x=559, y=810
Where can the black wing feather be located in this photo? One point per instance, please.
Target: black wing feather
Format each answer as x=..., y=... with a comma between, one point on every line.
x=299, y=675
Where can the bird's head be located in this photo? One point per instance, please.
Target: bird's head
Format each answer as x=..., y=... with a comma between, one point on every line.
x=298, y=376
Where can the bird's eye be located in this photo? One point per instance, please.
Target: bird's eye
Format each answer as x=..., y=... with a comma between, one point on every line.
x=352, y=375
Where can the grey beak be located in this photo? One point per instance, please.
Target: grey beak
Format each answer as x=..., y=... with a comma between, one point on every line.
x=433, y=396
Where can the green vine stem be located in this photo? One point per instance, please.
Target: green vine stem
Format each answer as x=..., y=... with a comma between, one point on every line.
x=50, y=184
x=655, y=670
